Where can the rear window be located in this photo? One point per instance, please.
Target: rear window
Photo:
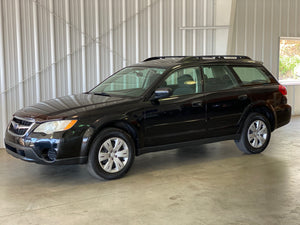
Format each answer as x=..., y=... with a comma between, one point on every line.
x=252, y=75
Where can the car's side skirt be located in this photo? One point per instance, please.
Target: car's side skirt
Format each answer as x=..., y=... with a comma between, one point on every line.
x=157, y=148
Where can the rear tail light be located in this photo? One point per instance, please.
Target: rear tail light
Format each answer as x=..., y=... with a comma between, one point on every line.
x=282, y=89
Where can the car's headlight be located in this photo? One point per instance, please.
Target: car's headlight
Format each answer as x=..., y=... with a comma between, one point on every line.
x=55, y=126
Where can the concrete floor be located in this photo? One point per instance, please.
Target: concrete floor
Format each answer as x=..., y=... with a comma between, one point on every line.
x=208, y=184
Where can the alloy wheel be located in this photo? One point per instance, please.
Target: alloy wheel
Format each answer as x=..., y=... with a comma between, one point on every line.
x=113, y=155
x=257, y=133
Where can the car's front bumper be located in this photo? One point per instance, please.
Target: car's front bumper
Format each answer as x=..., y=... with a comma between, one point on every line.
x=38, y=149
x=29, y=155
x=24, y=153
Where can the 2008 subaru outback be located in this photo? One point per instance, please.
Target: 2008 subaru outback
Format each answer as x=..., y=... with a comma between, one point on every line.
x=160, y=103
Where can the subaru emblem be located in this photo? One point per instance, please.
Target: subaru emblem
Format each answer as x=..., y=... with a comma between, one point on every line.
x=15, y=125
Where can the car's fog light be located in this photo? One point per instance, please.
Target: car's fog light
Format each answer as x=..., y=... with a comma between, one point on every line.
x=52, y=154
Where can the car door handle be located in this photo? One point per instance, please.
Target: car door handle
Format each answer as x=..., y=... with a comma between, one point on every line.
x=197, y=104
x=243, y=97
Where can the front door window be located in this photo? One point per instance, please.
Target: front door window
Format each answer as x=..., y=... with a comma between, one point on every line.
x=184, y=81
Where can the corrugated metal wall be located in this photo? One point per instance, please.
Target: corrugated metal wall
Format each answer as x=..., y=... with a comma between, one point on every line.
x=50, y=48
x=258, y=26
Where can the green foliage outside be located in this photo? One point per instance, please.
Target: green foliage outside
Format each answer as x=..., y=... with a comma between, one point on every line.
x=289, y=59
x=287, y=65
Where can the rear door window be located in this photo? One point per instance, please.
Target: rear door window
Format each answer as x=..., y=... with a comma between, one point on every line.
x=218, y=78
x=251, y=75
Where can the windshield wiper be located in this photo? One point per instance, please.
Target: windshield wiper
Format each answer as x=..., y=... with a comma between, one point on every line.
x=101, y=93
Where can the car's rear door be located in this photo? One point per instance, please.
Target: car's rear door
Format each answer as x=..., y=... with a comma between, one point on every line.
x=226, y=100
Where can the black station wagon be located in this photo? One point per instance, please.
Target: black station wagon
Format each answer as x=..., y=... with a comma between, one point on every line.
x=160, y=103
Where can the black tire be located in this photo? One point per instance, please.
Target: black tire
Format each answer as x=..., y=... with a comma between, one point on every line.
x=105, y=159
x=249, y=139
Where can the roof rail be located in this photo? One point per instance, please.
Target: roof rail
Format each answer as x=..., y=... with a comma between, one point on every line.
x=162, y=57
x=222, y=57
x=203, y=57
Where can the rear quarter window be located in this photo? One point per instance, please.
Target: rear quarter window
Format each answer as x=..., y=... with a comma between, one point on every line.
x=251, y=75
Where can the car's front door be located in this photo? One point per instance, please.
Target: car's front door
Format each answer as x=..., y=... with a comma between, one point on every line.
x=180, y=117
x=225, y=100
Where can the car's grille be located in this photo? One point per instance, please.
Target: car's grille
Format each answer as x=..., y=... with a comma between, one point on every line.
x=20, y=126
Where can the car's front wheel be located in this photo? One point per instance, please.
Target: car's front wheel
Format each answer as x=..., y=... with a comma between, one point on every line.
x=111, y=155
x=255, y=135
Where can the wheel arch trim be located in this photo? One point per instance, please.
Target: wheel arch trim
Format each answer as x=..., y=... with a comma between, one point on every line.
x=262, y=107
x=91, y=133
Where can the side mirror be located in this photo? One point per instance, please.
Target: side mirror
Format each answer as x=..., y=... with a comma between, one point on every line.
x=162, y=93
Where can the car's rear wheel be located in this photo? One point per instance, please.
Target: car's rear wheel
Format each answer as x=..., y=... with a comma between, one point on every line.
x=111, y=155
x=255, y=135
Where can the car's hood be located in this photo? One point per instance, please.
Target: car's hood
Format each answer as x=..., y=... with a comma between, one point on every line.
x=67, y=106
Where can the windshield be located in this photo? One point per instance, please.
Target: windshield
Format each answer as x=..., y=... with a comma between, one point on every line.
x=130, y=81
